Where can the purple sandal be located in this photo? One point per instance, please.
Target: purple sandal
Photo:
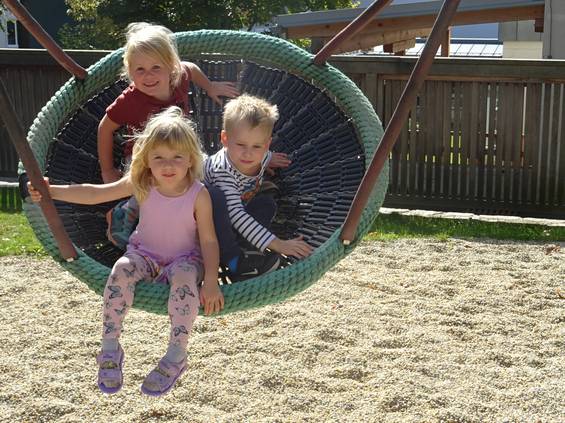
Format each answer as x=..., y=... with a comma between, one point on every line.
x=110, y=370
x=162, y=378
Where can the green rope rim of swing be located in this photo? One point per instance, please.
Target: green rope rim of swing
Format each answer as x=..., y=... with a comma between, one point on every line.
x=266, y=289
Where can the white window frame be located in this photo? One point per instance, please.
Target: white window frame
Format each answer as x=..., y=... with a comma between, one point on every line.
x=15, y=23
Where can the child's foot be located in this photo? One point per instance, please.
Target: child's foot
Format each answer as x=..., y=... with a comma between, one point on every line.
x=162, y=378
x=110, y=376
x=254, y=263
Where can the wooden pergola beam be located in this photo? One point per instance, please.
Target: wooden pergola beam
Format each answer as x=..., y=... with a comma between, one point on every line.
x=446, y=43
x=399, y=46
x=370, y=40
x=508, y=14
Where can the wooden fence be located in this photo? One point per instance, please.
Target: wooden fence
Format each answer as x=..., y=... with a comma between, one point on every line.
x=485, y=135
x=31, y=78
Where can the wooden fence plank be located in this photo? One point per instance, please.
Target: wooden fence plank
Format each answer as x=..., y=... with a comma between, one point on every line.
x=402, y=147
x=531, y=140
x=490, y=159
x=559, y=193
x=464, y=140
x=455, y=176
x=385, y=116
x=380, y=98
x=517, y=142
x=504, y=140
x=445, y=139
x=370, y=88
x=552, y=143
x=473, y=118
x=543, y=156
x=482, y=114
x=437, y=143
x=424, y=127
x=432, y=116
x=412, y=179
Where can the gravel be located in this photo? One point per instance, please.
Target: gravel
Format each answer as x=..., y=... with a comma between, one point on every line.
x=399, y=331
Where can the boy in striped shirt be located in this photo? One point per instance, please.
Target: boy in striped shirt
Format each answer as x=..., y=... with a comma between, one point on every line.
x=237, y=170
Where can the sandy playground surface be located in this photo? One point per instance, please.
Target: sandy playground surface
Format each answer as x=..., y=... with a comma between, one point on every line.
x=400, y=331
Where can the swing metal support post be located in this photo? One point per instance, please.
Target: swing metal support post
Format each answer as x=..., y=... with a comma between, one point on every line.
x=17, y=135
x=43, y=38
x=394, y=127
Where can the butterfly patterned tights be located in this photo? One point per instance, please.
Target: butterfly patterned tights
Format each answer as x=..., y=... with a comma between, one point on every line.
x=182, y=275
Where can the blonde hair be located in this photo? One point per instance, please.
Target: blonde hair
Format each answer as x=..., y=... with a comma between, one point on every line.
x=171, y=129
x=254, y=111
x=155, y=41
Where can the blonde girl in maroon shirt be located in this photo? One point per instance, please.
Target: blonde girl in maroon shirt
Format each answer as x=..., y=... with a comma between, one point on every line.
x=159, y=79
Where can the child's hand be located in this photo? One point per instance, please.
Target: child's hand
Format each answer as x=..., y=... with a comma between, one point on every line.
x=111, y=175
x=292, y=247
x=279, y=160
x=211, y=297
x=221, y=89
x=34, y=194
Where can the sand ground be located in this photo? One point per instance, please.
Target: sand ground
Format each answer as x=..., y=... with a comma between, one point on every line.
x=399, y=331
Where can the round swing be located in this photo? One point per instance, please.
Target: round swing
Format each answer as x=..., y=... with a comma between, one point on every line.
x=326, y=126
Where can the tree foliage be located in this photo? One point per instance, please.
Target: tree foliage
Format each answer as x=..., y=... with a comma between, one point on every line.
x=92, y=30
x=99, y=22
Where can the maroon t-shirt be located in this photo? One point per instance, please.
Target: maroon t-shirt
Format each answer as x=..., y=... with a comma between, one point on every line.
x=133, y=108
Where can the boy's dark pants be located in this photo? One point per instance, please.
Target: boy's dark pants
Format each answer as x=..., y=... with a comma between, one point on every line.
x=262, y=207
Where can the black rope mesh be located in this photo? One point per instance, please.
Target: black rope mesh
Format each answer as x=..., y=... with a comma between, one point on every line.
x=316, y=189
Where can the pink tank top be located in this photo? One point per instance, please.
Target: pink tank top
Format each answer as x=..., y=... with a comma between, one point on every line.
x=167, y=227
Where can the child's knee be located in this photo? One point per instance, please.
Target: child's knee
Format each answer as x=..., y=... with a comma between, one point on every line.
x=125, y=270
x=183, y=273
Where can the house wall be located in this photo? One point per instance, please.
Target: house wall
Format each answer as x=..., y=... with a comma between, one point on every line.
x=520, y=40
x=519, y=31
x=522, y=49
x=51, y=15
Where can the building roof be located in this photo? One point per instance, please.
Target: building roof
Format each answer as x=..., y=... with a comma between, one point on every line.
x=458, y=48
x=398, y=11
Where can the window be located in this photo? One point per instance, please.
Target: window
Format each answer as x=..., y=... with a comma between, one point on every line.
x=12, y=32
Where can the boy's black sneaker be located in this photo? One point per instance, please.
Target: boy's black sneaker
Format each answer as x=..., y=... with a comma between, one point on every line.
x=254, y=263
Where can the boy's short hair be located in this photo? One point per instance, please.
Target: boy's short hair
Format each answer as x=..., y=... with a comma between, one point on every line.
x=254, y=111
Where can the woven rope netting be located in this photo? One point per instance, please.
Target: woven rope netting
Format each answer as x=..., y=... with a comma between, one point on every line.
x=326, y=125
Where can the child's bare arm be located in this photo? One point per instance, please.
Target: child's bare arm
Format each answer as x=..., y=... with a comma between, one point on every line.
x=296, y=247
x=211, y=296
x=106, y=130
x=85, y=193
x=279, y=160
x=215, y=89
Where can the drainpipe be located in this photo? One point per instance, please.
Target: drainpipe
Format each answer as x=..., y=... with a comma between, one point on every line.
x=554, y=30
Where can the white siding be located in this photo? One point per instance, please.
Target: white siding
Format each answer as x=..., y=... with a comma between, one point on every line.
x=522, y=49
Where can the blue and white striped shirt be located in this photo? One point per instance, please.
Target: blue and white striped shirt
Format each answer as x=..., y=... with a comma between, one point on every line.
x=238, y=190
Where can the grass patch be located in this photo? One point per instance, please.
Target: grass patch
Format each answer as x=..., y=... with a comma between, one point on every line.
x=17, y=237
x=395, y=226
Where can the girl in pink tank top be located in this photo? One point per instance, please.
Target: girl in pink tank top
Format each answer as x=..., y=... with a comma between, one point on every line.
x=174, y=243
